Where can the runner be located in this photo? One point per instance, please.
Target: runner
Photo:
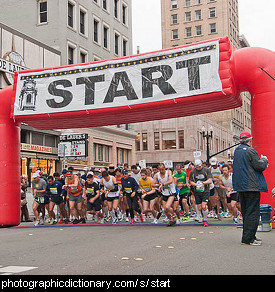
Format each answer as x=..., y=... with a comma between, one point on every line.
x=168, y=190
x=200, y=178
x=136, y=175
x=74, y=192
x=129, y=188
x=158, y=200
x=40, y=197
x=110, y=186
x=148, y=194
x=226, y=184
x=220, y=194
x=184, y=190
x=92, y=194
x=56, y=194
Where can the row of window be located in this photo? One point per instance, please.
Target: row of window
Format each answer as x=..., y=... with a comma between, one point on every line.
x=162, y=141
x=120, y=12
x=102, y=153
x=198, y=31
x=37, y=138
x=80, y=55
x=197, y=15
x=187, y=3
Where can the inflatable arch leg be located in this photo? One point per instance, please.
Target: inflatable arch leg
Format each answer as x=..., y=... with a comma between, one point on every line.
x=253, y=71
x=9, y=163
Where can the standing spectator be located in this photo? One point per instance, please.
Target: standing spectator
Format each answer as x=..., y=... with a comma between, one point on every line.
x=24, y=208
x=249, y=181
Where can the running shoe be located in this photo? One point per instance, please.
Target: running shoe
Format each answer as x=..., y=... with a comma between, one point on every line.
x=141, y=217
x=76, y=221
x=114, y=221
x=235, y=220
x=155, y=221
x=205, y=223
x=172, y=222
x=37, y=222
x=132, y=221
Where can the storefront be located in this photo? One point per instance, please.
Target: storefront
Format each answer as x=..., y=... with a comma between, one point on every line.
x=36, y=157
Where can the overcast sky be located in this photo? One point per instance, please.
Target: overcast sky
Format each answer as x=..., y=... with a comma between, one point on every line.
x=257, y=26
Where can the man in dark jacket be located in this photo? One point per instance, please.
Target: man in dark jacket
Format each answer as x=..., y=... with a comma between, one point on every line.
x=249, y=181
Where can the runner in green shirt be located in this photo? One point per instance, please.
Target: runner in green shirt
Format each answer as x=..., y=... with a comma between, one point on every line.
x=184, y=190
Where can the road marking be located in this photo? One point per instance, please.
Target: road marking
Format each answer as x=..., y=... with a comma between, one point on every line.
x=171, y=247
x=138, y=259
x=125, y=258
x=158, y=246
x=9, y=270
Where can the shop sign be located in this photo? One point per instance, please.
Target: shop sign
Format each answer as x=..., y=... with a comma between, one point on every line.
x=36, y=148
x=10, y=63
x=73, y=146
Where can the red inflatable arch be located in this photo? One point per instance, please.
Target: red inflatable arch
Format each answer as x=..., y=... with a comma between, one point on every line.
x=182, y=81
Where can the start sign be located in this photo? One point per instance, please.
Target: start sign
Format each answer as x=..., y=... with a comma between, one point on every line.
x=134, y=80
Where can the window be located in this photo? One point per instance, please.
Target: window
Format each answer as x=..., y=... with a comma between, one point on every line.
x=188, y=32
x=70, y=14
x=137, y=142
x=94, y=151
x=106, y=37
x=188, y=16
x=25, y=136
x=212, y=12
x=82, y=17
x=198, y=30
x=124, y=14
x=116, y=8
x=175, y=34
x=107, y=154
x=70, y=55
x=116, y=44
x=181, y=139
x=197, y=14
x=43, y=11
x=100, y=152
x=50, y=141
x=125, y=47
x=83, y=57
x=104, y=4
x=174, y=4
x=96, y=30
x=187, y=2
x=197, y=2
x=213, y=28
x=144, y=142
x=168, y=140
x=156, y=141
x=37, y=138
x=174, y=19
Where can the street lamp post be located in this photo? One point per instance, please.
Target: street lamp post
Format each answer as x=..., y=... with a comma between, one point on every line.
x=208, y=135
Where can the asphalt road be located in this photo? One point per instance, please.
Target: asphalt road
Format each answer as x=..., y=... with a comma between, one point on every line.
x=133, y=250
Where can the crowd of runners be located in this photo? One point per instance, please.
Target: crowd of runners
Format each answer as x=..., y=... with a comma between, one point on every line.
x=193, y=191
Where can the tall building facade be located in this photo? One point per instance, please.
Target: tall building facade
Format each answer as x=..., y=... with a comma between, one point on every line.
x=19, y=51
x=190, y=21
x=83, y=31
x=186, y=22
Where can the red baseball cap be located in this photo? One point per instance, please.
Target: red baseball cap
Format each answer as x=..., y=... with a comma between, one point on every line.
x=245, y=136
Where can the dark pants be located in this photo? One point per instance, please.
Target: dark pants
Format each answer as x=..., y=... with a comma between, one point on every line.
x=133, y=205
x=250, y=205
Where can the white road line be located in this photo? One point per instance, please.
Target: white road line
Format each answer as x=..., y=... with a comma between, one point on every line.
x=9, y=270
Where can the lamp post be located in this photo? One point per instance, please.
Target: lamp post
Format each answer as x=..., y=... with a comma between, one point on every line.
x=208, y=135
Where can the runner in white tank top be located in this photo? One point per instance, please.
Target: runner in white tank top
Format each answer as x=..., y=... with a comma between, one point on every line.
x=167, y=188
x=111, y=191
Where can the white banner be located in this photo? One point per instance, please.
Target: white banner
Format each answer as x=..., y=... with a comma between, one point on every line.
x=153, y=77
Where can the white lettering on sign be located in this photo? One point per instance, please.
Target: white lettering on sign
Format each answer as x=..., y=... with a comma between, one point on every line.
x=153, y=77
